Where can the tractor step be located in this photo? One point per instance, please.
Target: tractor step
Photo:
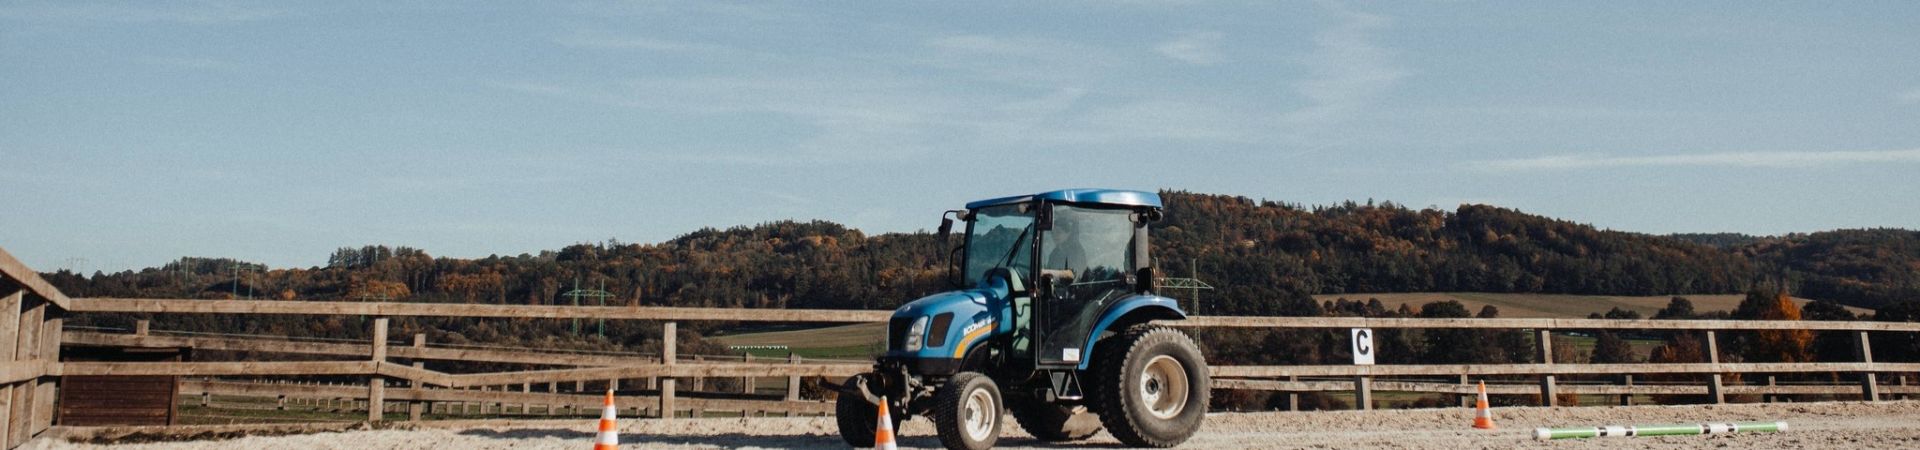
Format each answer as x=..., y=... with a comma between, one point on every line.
x=1066, y=385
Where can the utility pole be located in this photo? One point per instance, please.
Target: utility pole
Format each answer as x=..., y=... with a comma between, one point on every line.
x=1193, y=284
x=600, y=294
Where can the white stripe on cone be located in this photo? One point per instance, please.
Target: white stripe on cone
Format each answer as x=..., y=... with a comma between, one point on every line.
x=883, y=432
x=609, y=436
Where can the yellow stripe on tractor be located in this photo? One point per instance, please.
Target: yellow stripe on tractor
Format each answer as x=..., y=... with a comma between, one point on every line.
x=960, y=348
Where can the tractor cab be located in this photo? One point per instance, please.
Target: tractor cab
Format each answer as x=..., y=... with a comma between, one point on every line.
x=1079, y=251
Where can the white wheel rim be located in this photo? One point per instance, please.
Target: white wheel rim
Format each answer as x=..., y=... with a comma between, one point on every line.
x=1163, y=387
x=980, y=414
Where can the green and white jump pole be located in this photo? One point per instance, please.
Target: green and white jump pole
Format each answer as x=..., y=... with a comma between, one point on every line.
x=1657, y=430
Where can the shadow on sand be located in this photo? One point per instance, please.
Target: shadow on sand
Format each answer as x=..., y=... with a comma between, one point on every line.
x=738, y=440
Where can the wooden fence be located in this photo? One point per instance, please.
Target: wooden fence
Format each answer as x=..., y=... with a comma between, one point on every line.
x=31, y=315
x=34, y=370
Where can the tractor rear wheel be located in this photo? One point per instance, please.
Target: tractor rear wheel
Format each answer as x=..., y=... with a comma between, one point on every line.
x=1152, y=386
x=857, y=418
x=967, y=412
x=1051, y=422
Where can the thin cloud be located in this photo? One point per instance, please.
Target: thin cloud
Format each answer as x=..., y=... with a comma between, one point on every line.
x=1910, y=97
x=602, y=41
x=1730, y=159
x=1194, y=48
x=192, y=13
x=207, y=64
x=1348, y=69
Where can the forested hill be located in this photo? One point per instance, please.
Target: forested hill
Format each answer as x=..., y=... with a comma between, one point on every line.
x=1266, y=257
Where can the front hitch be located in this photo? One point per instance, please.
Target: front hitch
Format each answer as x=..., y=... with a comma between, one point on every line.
x=859, y=387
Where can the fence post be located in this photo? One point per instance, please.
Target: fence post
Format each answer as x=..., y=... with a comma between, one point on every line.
x=414, y=406
x=1293, y=397
x=27, y=348
x=699, y=385
x=140, y=327
x=1466, y=400
x=1768, y=397
x=553, y=387
x=666, y=358
x=1627, y=398
x=1869, y=381
x=526, y=387
x=50, y=333
x=793, y=381
x=9, y=323
x=1714, y=387
x=1543, y=340
x=377, y=385
x=1363, y=393
x=746, y=383
x=699, y=382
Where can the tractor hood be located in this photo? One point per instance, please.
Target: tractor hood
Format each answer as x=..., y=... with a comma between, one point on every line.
x=954, y=322
x=942, y=302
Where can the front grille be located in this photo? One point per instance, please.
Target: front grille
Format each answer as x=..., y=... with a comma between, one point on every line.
x=897, y=332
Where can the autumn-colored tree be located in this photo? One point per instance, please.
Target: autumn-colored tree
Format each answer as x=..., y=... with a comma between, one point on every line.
x=1679, y=348
x=1772, y=345
x=362, y=288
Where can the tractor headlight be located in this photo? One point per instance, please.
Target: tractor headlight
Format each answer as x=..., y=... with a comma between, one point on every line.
x=915, y=333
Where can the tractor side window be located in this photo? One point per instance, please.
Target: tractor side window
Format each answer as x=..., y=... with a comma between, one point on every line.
x=1089, y=251
x=1000, y=236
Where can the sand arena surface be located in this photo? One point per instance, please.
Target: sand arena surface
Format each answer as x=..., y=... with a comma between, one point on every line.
x=1886, y=425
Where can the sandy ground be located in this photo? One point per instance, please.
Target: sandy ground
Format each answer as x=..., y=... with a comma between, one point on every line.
x=1887, y=425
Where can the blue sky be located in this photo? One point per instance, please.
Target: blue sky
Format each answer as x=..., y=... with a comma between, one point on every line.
x=132, y=133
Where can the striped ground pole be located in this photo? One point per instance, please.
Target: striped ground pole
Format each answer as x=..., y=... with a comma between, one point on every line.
x=1657, y=430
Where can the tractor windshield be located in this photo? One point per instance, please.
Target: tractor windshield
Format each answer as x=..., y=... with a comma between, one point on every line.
x=1000, y=236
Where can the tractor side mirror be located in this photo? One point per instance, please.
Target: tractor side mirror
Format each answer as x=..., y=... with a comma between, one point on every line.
x=1143, y=280
x=946, y=227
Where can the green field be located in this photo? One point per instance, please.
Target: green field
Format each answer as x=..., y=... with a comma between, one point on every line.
x=1555, y=305
x=854, y=342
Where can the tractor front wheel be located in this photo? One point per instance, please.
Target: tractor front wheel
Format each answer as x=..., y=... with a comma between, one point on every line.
x=857, y=418
x=1152, y=386
x=967, y=412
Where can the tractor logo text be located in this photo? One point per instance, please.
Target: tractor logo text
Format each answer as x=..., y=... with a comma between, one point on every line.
x=975, y=326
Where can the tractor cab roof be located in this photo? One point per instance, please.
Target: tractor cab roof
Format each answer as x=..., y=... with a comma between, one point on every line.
x=1112, y=197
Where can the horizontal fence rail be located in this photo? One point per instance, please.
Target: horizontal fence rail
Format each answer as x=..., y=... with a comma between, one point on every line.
x=387, y=376
x=391, y=309
x=667, y=367
x=665, y=313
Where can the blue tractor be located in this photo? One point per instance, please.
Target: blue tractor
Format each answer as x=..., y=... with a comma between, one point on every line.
x=1052, y=322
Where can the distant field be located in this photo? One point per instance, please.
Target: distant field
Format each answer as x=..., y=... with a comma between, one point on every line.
x=862, y=341
x=858, y=341
x=1554, y=305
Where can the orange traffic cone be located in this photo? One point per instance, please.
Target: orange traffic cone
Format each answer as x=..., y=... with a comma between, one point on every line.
x=883, y=433
x=1482, y=418
x=609, y=438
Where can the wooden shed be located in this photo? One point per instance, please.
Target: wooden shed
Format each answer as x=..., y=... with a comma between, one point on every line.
x=120, y=399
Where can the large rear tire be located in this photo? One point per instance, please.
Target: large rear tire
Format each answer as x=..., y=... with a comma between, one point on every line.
x=1152, y=384
x=1051, y=422
x=857, y=418
x=967, y=412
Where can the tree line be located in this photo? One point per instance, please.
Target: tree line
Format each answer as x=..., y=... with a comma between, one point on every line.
x=1265, y=257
